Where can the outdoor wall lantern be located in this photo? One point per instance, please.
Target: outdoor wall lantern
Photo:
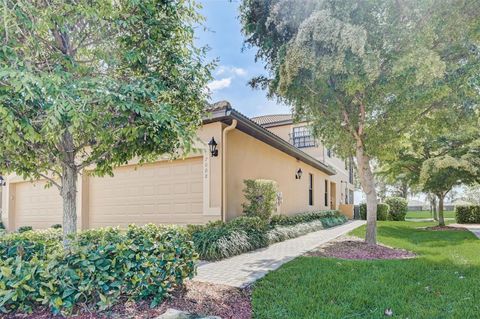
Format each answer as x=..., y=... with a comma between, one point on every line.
x=298, y=175
x=2, y=181
x=213, y=147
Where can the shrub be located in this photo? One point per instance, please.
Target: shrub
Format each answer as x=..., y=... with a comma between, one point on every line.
x=28, y=244
x=468, y=214
x=286, y=227
x=398, y=208
x=302, y=218
x=2, y=226
x=99, y=267
x=220, y=240
x=23, y=229
x=382, y=211
x=56, y=226
x=261, y=196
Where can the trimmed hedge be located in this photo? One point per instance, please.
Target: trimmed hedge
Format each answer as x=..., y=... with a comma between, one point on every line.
x=219, y=240
x=285, y=228
x=398, y=208
x=302, y=218
x=468, y=214
x=382, y=211
x=99, y=268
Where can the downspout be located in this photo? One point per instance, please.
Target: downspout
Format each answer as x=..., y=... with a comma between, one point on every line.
x=224, y=168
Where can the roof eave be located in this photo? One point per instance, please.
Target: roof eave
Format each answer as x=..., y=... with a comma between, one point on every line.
x=251, y=128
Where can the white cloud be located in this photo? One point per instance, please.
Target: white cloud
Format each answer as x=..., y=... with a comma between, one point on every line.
x=239, y=71
x=219, y=84
x=230, y=70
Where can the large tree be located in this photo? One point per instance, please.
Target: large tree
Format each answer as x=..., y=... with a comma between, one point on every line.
x=93, y=84
x=435, y=156
x=362, y=71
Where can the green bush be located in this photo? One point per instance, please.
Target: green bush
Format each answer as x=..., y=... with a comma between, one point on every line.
x=56, y=226
x=287, y=227
x=398, y=208
x=2, y=226
x=468, y=214
x=261, y=196
x=302, y=218
x=23, y=229
x=99, y=268
x=220, y=240
x=382, y=211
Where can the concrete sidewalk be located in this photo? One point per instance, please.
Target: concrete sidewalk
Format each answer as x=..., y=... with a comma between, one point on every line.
x=242, y=270
x=474, y=228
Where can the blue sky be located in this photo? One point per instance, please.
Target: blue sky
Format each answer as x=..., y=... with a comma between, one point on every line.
x=235, y=68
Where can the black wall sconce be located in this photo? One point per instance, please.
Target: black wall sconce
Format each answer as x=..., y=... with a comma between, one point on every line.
x=213, y=147
x=2, y=181
x=299, y=173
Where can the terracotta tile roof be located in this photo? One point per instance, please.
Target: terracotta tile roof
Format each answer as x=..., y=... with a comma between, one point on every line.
x=272, y=119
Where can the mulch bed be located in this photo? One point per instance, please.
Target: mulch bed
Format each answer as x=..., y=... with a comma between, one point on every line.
x=448, y=228
x=198, y=298
x=355, y=248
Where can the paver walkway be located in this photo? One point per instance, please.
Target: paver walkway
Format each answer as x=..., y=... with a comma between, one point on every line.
x=474, y=228
x=242, y=270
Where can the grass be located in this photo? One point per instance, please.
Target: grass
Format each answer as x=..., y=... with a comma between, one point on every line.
x=428, y=214
x=443, y=282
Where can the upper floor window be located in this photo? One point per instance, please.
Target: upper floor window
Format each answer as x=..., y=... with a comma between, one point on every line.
x=302, y=137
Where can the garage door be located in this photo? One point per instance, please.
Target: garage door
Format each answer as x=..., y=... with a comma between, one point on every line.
x=160, y=193
x=36, y=206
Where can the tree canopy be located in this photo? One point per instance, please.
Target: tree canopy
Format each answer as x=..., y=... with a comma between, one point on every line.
x=363, y=71
x=95, y=84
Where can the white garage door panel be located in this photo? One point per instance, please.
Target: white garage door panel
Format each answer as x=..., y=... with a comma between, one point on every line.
x=36, y=206
x=161, y=193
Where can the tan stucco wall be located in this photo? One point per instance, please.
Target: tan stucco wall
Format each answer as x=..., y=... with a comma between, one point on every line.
x=249, y=158
x=319, y=152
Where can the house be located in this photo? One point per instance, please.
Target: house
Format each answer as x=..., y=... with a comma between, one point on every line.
x=204, y=186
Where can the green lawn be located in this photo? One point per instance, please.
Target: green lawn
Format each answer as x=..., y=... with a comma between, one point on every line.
x=443, y=282
x=428, y=214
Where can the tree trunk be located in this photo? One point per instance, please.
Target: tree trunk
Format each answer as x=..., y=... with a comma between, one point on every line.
x=69, y=188
x=433, y=203
x=441, y=220
x=368, y=186
x=404, y=190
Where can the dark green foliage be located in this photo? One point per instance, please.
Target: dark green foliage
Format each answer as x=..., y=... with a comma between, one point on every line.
x=1, y=225
x=468, y=214
x=220, y=240
x=283, y=220
x=382, y=211
x=398, y=208
x=261, y=196
x=23, y=229
x=100, y=267
x=57, y=226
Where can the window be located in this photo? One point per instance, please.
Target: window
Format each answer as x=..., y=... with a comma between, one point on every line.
x=302, y=137
x=310, y=190
x=326, y=193
x=351, y=197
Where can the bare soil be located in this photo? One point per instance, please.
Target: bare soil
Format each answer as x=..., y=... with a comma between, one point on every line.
x=448, y=228
x=348, y=247
x=196, y=297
